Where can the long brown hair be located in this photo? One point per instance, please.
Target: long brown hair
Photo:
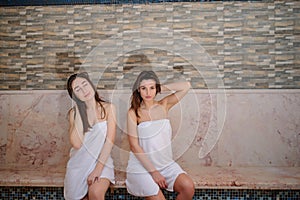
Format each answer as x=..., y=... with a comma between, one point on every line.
x=136, y=98
x=81, y=105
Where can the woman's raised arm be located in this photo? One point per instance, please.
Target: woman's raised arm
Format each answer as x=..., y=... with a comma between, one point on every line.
x=75, y=128
x=178, y=89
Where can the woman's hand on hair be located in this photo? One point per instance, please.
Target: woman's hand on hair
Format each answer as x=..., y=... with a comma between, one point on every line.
x=178, y=91
x=77, y=117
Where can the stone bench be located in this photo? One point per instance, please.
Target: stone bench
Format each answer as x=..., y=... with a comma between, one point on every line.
x=258, y=147
x=204, y=177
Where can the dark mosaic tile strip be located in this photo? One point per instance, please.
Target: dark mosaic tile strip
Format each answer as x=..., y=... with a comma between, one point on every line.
x=56, y=193
x=78, y=2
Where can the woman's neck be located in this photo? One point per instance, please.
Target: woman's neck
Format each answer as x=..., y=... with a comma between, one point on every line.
x=147, y=104
x=91, y=104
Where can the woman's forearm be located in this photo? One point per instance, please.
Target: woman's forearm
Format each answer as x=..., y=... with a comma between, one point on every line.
x=110, y=139
x=76, y=137
x=105, y=153
x=143, y=158
x=76, y=129
x=176, y=86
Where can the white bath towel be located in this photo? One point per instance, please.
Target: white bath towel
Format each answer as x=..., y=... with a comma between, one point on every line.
x=155, y=139
x=84, y=160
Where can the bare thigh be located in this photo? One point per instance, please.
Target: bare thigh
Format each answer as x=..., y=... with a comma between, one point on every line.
x=98, y=188
x=159, y=196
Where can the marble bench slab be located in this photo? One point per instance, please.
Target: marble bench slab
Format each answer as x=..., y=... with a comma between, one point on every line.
x=204, y=177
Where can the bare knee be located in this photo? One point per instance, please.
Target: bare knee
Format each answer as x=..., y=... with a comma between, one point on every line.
x=96, y=194
x=188, y=189
x=185, y=187
x=97, y=190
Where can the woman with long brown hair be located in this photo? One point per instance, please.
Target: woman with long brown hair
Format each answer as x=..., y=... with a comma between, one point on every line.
x=151, y=167
x=92, y=130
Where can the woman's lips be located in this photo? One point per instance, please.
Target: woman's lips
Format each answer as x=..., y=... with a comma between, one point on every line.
x=88, y=94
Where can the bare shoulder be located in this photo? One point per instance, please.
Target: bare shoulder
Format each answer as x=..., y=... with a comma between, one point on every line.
x=131, y=114
x=131, y=111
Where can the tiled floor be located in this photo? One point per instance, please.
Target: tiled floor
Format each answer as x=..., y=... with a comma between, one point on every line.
x=56, y=193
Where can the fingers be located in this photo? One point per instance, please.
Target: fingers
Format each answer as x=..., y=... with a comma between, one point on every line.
x=163, y=184
x=159, y=179
x=92, y=180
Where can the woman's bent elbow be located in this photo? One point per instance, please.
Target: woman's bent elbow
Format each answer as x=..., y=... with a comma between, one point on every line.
x=133, y=149
x=76, y=145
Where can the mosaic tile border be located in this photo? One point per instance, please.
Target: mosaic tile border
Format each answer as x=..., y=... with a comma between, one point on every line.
x=79, y=2
x=51, y=193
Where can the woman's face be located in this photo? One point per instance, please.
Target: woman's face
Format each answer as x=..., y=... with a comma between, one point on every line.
x=83, y=89
x=147, y=89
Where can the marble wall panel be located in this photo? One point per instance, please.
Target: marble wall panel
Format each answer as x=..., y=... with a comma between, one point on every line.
x=36, y=130
x=264, y=126
x=210, y=128
x=260, y=129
